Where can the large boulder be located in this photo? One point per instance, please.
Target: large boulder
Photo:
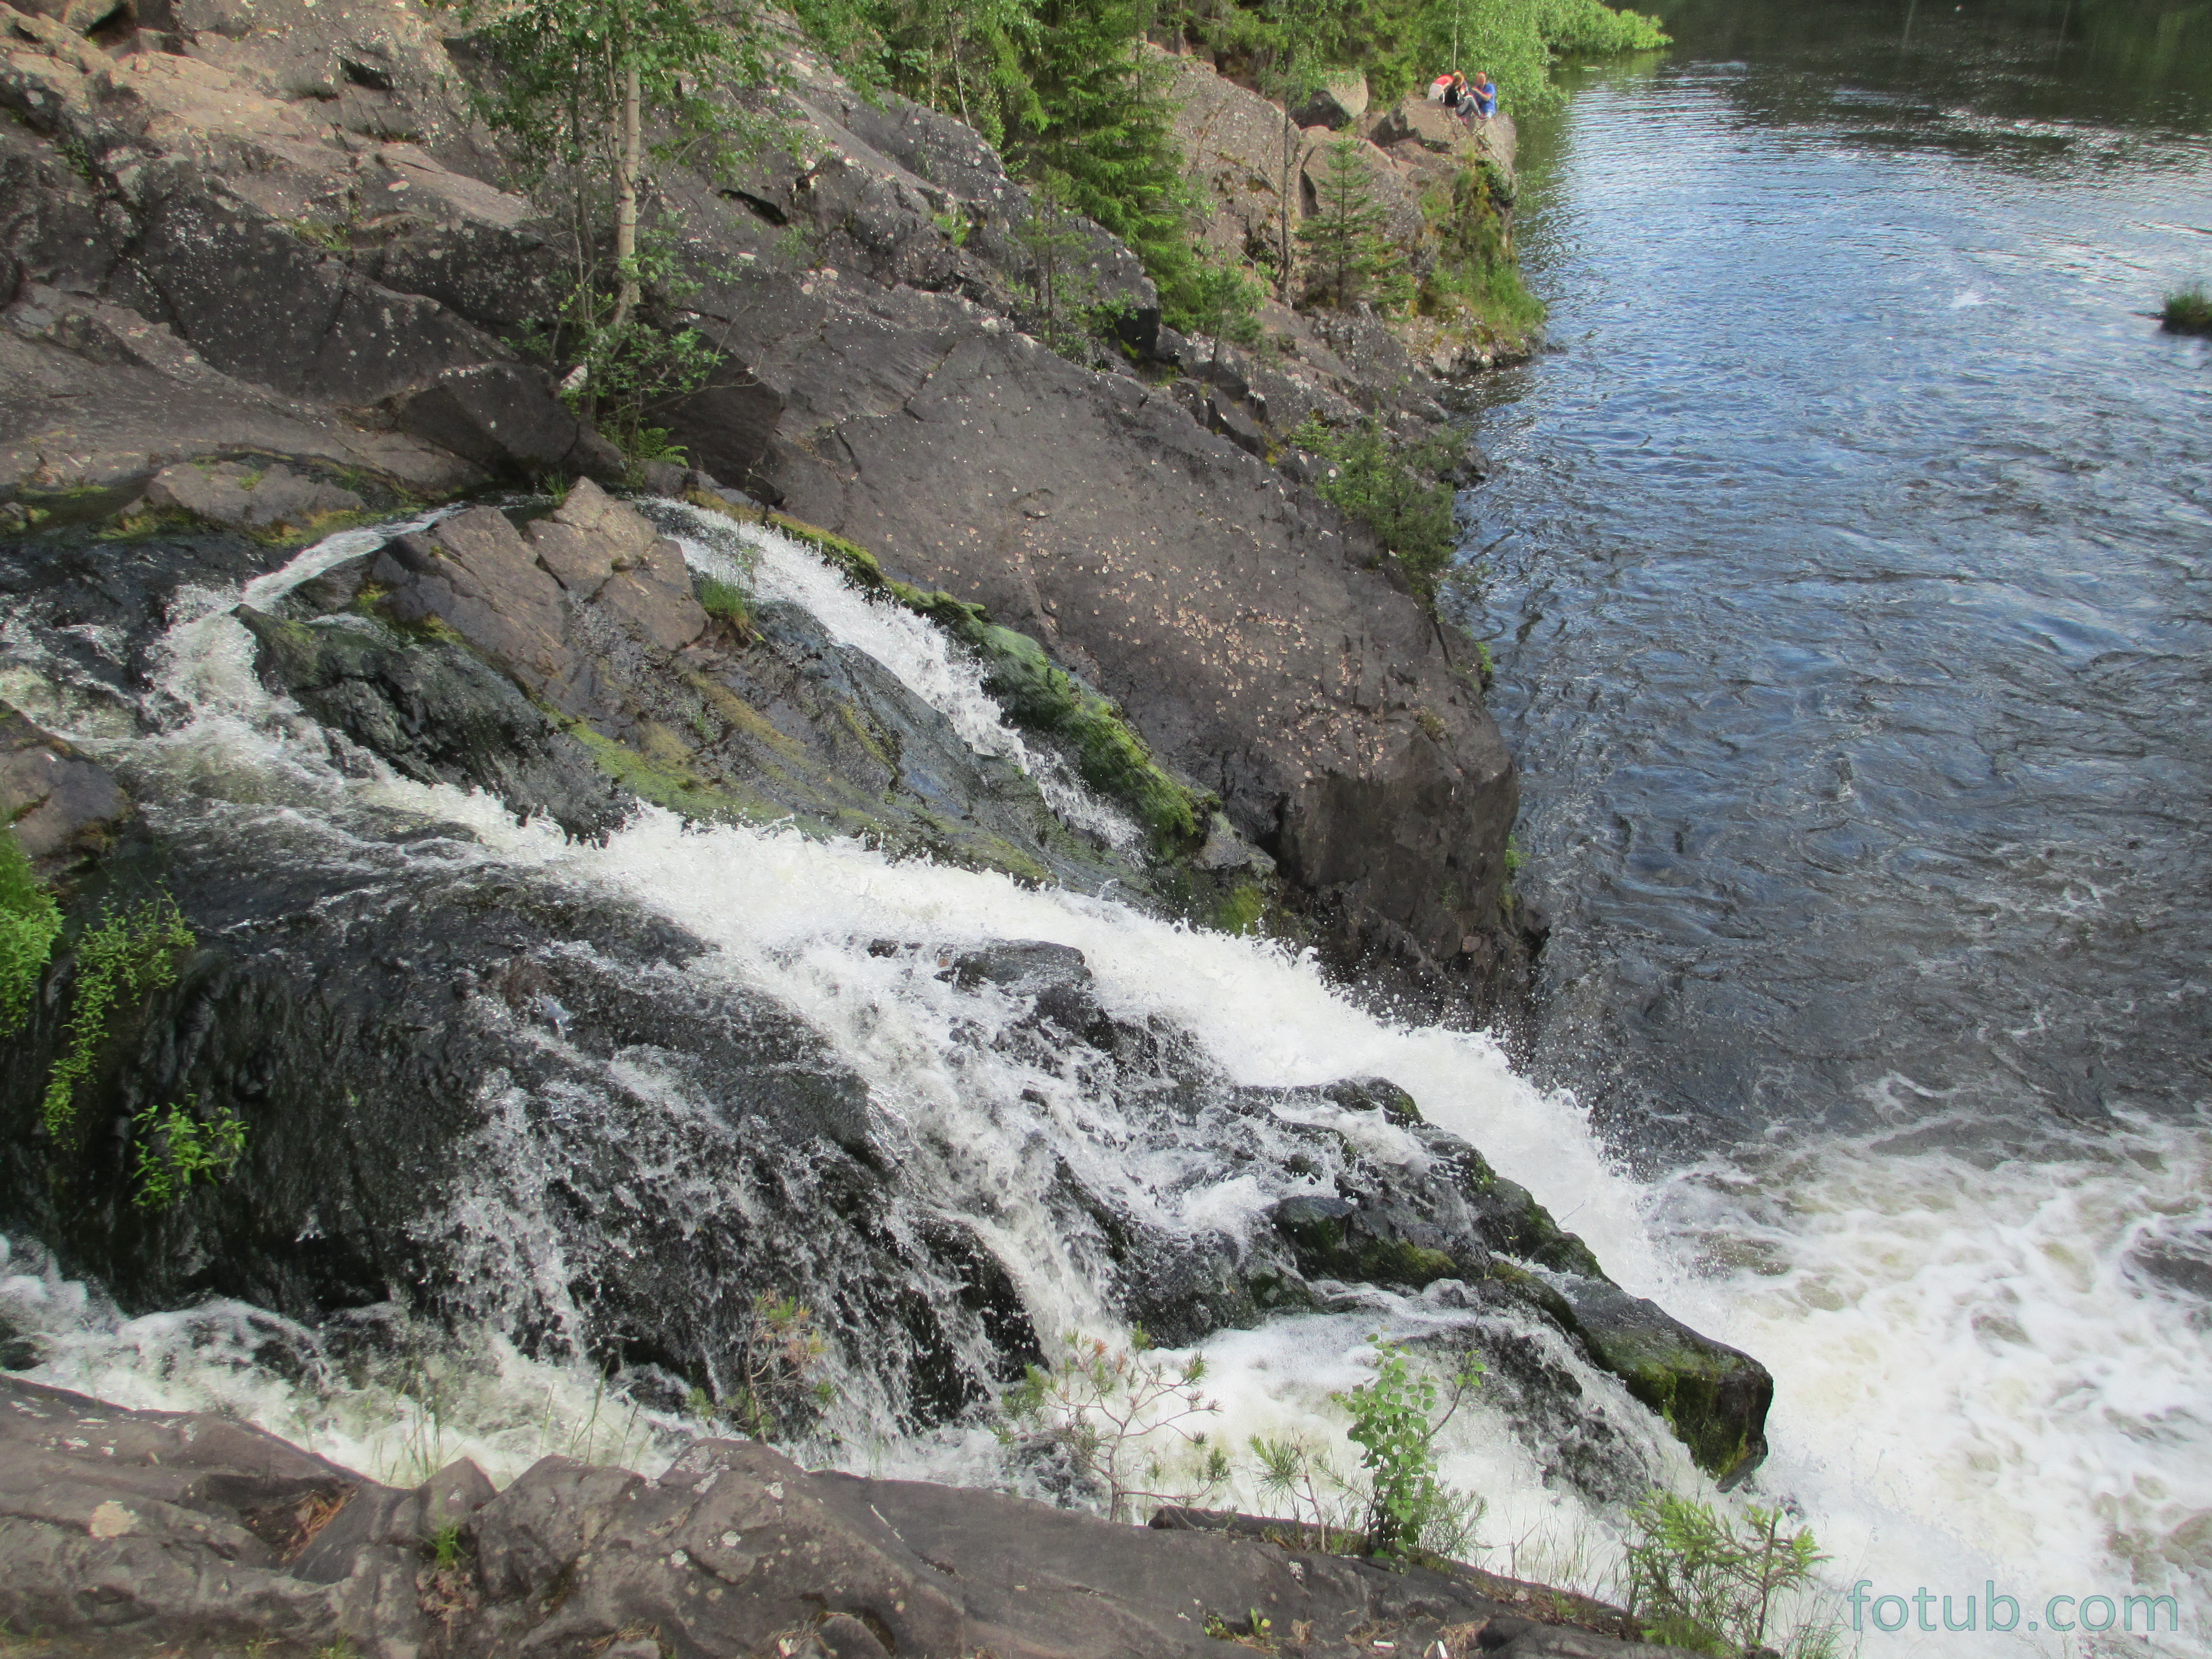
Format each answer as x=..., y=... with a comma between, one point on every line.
x=1336, y=103
x=271, y=499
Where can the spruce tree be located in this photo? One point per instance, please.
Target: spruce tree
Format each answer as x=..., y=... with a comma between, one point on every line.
x=1102, y=124
x=1346, y=252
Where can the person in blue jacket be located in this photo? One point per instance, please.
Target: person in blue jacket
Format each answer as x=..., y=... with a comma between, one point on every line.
x=1481, y=97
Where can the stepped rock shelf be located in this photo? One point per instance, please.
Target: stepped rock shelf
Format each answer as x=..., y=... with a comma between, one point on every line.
x=145, y=1530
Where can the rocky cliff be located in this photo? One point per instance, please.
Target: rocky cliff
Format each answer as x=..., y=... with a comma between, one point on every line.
x=258, y=279
x=264, y=233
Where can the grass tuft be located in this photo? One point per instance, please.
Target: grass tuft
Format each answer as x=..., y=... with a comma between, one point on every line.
x=2188, y=311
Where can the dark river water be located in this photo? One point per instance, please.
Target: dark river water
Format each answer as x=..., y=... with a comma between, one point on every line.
x=1849, y=576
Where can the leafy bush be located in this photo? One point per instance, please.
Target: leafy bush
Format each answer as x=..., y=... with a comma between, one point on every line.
x=2188, y=311
x=124, y=960
x=1700, y=1580
x=1389, y=486
x=1126, y=1421
x=1476, y=271
x=175, y=1148
x=1410, y=1511
x=30, y=921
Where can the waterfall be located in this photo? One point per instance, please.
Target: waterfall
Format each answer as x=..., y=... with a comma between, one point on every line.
x=1879, y=1287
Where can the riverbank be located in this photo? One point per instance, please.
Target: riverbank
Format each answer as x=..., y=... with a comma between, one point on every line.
x=183, y=1531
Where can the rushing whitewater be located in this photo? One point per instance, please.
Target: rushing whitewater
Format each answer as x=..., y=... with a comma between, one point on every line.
x=1899, y=1299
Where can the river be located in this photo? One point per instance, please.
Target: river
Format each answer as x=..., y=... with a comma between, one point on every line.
x=1847, y=579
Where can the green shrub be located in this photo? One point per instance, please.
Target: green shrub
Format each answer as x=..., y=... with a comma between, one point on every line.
x=124, y=959
x=2188, y=311
x=30, y=921
x=1410, y=1511
x=1389, y=486
x=175, y=1148
x=1700, y=1580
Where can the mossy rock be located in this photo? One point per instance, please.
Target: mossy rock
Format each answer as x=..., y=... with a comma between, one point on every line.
x=1714, y=1397
x=1040, y=696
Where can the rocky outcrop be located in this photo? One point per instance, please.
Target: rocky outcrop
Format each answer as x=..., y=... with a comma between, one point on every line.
x=265, y=234
x=147, y=1527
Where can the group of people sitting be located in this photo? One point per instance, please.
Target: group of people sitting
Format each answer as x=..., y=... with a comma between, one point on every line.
x=1470, y=99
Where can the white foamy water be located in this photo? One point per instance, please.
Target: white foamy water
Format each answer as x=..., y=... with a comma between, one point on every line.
x=1973, y=1382
x=926, y=660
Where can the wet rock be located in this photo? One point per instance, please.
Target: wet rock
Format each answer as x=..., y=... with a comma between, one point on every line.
x=1375, y=1094
x=271, y=499
x=64, y=808
x=438, y=715
x=1714, y=1397
x=182, y=1525
x=1455, y=1218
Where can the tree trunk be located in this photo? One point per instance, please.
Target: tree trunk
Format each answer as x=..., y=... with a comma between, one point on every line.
x=627, y=168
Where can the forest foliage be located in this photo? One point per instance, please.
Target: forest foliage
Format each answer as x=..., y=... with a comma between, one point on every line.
x=1065, y=91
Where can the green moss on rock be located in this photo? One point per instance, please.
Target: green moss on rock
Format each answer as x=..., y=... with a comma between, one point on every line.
x=1040, y=696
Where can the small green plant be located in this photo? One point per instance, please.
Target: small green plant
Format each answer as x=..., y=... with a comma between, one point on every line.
x=1394, y=1423
x=2188, y=311
x=1701, y=1580
x=30, y=921
x=124, y=960
x=724, y=600
x=781, y=1393
x=1297, y=1473
x=176, y=1148
x=1255, y=1631
x=955, y=225
x=1127, y=1421
x=1513, y=859
x=447, y=1547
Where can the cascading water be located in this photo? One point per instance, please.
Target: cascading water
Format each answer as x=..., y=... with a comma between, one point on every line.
x=1023, y=1151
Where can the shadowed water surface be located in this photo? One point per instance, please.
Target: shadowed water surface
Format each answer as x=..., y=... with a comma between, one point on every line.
x=1848, y=574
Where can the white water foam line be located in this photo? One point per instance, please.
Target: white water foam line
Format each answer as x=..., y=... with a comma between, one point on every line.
x=399, y=1419
x=1974, y=1382
x=925, y=659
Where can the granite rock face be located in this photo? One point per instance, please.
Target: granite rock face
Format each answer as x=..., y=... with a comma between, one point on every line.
x=133, y=1528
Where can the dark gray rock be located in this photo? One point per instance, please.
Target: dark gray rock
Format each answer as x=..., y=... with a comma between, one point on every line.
x=505, y=418
x=439, y=715
x=172, y=1527
x=63, y=808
